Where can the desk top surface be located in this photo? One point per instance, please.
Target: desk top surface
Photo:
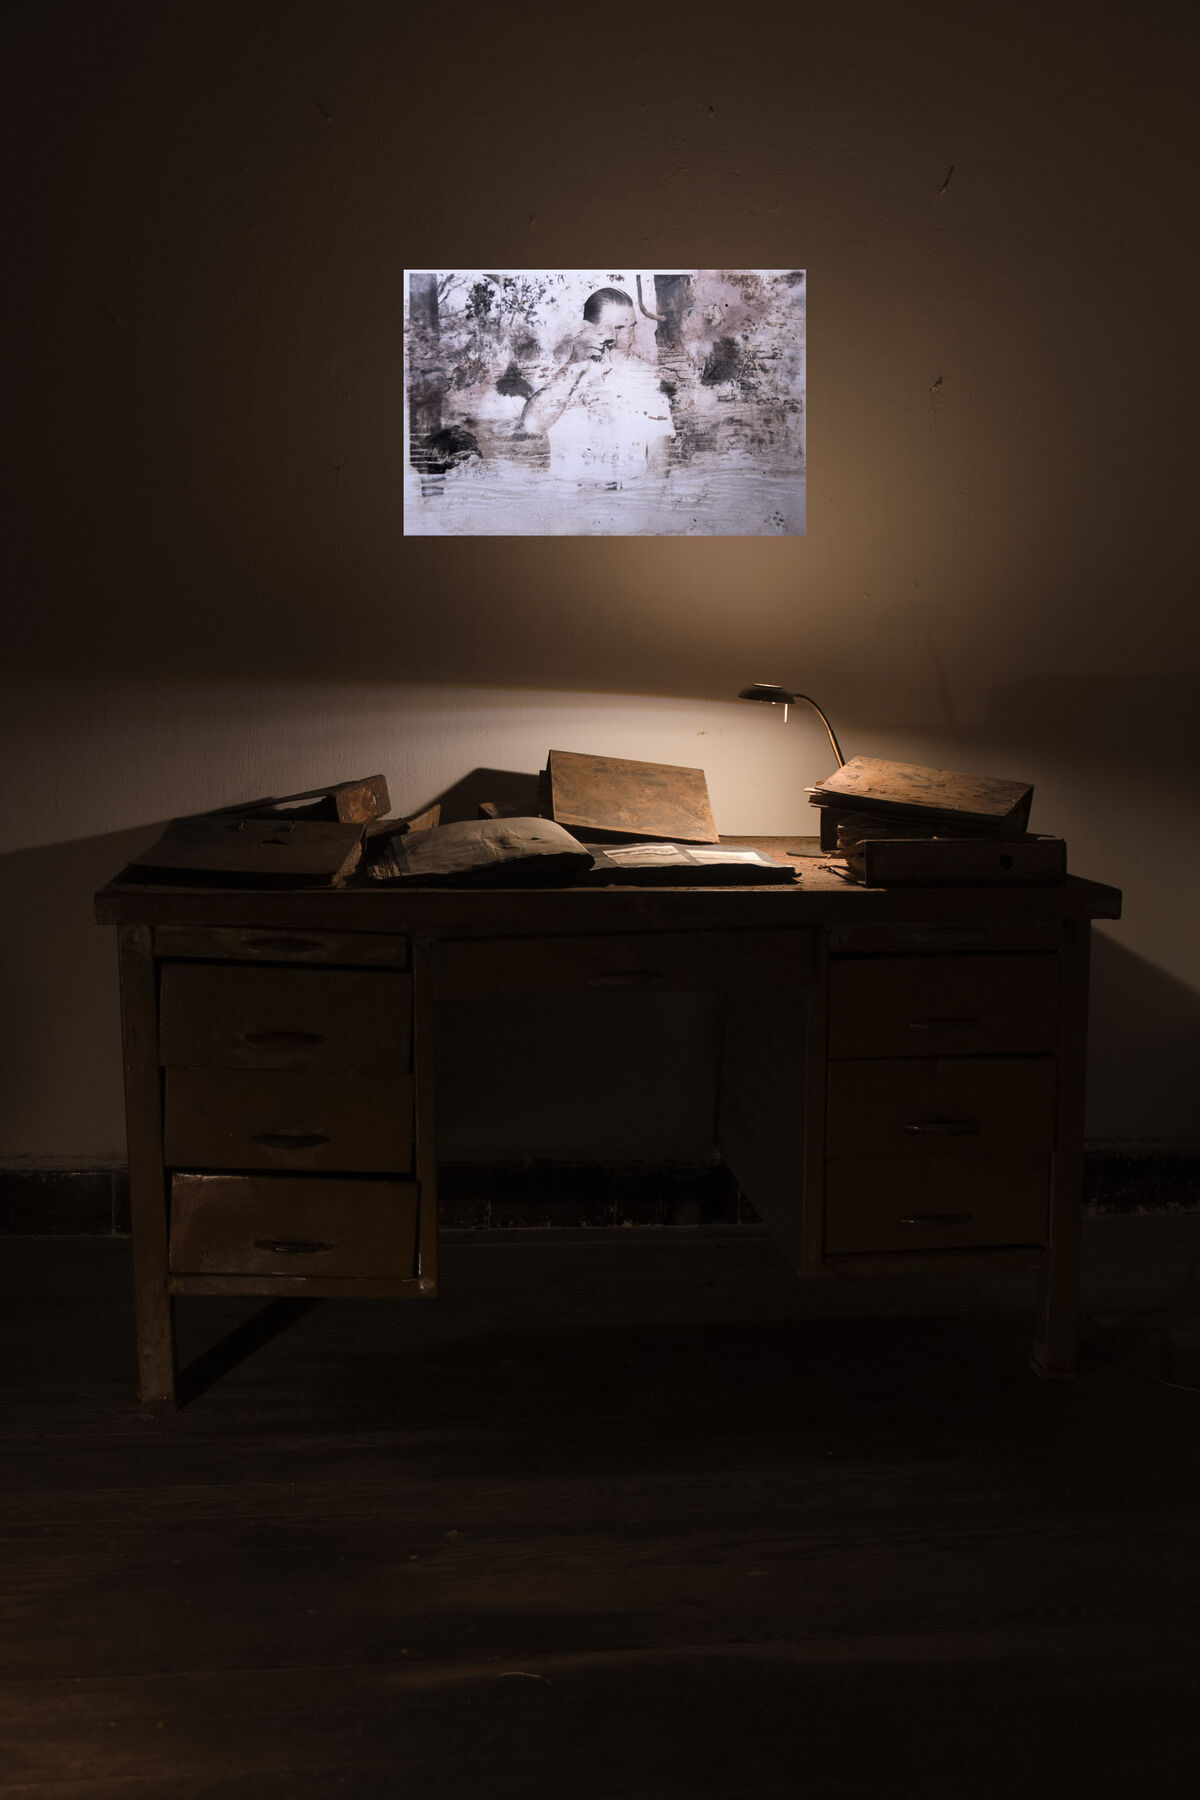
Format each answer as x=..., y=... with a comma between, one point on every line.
x=821, y=896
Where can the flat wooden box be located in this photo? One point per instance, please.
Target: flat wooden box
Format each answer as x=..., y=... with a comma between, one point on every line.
x=925, y=862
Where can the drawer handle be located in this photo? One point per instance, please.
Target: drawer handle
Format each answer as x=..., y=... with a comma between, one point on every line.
x=937, y=1218
x=283, y=1040
x=282, y=946
x=289, y=1140
x=943, y=1127
x=945, y=1024
x=291, y=1246
x=624, y=978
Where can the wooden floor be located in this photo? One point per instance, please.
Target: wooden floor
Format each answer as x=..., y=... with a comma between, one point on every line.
x=621, y=1515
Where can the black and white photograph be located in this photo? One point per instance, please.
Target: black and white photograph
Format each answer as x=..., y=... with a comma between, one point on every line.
x=592, y=402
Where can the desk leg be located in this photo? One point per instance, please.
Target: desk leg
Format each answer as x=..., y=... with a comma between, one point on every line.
x=424, y=1069
x=147, y=1186
x=1054, y=1346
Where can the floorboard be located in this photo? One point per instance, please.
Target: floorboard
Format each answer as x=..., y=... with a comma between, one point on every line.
x=620, y=1515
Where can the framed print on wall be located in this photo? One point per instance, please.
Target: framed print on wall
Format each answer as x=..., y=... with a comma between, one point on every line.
x=587, y=402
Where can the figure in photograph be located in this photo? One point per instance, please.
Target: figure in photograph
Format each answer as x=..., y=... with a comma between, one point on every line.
x=605, y=412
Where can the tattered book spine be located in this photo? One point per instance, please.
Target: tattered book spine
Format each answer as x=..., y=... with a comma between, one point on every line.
x=385, y=859
x=383, y=837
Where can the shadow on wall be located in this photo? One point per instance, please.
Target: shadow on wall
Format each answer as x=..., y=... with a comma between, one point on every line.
x=1116, y=762
x=1108, y=722
x=1145, y=1049
x=60, y=1050
x=508, y=788
x=1093, y=732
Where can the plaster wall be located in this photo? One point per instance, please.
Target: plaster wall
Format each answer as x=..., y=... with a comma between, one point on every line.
x=212, y=593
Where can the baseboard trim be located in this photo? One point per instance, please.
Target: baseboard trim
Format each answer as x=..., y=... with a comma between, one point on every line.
x=66, y=1202
x=1152, y=1179
x=524, y=1195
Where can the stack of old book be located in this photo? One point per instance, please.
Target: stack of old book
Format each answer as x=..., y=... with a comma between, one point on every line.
x=320, y=838
x=898, y=823
x=610, y=821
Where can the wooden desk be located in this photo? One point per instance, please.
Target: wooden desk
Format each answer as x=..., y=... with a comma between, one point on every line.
x=902, y=1071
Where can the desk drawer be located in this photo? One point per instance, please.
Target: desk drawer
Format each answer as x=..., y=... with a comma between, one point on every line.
x=288, y=1119
x=965, y=1106
x=263, y=944
x=887, y=1203
x=942, y=1005
x=281, y=1225
x=637, y=962
x=224, y=1016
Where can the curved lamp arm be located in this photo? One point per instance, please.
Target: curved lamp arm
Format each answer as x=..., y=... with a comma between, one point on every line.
x=778, y=696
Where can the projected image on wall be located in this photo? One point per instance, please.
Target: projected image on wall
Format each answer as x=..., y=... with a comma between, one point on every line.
x=585, y=402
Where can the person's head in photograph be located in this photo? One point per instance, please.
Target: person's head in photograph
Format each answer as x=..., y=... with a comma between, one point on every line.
x=610, y=321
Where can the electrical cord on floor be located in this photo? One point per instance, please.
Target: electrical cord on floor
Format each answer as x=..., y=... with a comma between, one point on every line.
x=1184, y=1387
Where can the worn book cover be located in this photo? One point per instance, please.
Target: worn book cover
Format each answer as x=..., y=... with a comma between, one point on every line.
x=613, y=795
x=482, y=853
x=873, y=784
x=225, y=851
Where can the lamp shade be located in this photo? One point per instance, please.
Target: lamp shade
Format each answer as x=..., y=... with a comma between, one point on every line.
x=767, y=690
x=781, y=696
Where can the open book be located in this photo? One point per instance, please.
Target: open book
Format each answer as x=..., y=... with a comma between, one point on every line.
x=671, y=865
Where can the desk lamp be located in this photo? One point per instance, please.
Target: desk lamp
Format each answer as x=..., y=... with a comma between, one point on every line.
x=778, y=696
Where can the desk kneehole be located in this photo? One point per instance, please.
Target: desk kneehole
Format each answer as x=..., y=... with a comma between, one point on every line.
x=631, y=962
